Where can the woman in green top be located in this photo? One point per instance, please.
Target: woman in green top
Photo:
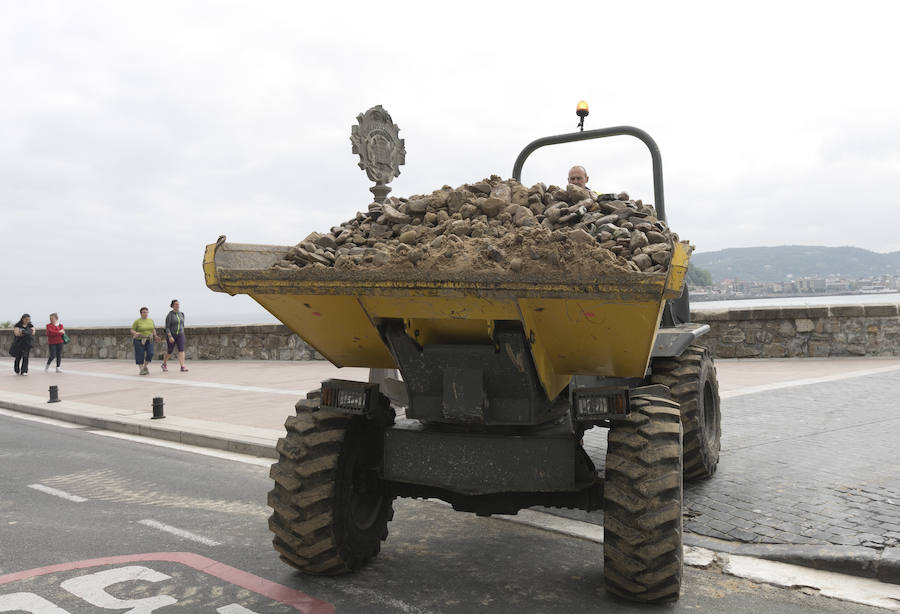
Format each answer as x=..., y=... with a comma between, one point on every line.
x=143, y=331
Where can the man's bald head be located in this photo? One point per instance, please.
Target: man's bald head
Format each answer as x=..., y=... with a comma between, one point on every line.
x=578, y=176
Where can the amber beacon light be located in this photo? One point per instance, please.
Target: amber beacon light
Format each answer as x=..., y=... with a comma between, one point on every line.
x=581, y=110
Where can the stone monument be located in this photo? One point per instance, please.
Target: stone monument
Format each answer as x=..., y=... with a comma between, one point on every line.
x=381, y=150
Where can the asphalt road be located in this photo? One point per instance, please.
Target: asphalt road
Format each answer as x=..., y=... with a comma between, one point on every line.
x=70, y=495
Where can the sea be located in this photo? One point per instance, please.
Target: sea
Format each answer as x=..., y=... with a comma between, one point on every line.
x=263, y=317
x=876, y=298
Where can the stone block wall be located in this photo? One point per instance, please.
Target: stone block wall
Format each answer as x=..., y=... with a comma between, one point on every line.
x=808, y=332
x=768, y=332
x=245, y=342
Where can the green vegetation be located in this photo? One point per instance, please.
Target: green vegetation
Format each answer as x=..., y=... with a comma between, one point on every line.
x=697, y=276
x=7, y=324
x=796, y=261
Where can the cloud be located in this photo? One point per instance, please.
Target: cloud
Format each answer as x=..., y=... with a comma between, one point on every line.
x=135, y=134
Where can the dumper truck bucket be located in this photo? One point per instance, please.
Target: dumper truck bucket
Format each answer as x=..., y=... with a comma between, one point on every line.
x=604, y=326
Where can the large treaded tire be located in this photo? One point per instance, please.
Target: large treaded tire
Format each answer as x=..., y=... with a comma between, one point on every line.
x=642, y=555
x=328, y=515
x=692, y=379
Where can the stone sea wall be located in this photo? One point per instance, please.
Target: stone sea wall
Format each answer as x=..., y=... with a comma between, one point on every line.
x=769, y=332
x=244, y=342
x=807, y=332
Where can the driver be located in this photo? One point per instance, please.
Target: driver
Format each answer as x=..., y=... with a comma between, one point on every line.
x=578, y=176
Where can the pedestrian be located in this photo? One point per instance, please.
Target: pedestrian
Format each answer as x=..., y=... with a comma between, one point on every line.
x=23, y=341
x=143, y=332
x=174, y=335
x=55, y=332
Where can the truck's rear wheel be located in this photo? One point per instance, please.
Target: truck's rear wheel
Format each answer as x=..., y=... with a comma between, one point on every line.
x=692, y=380
x=642, y=556
x=329, y=512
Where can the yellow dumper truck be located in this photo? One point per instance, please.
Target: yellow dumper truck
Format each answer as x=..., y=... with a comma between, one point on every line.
x=498, y=383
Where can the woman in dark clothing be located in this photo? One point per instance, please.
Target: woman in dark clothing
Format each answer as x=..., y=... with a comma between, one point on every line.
x=23, y=341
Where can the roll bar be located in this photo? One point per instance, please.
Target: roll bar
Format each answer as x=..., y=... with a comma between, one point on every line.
x=571, y=137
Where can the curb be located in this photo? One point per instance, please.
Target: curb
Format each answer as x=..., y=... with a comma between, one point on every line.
x=140, y=424
x=883, y=565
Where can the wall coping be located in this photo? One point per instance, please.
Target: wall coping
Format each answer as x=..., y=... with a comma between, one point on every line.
x=697, y=314
x=195, y=330
x=802, y=312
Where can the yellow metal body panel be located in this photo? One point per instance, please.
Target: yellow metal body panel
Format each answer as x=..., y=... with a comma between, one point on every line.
x=600, y=327
x=677, y=270
x=336, y=326
x=432, y=331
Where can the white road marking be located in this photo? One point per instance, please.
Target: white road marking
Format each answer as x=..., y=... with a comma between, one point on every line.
x=179, y=532
x=57, y=493
x=92, y=588
x=557, y=524
x=830, y=584
x=41, y=419
x=162, y=443
x=191, y=383
x=806, y=382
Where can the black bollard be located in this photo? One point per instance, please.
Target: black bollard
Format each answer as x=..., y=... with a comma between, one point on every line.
x=157, y=408
x=54, y=394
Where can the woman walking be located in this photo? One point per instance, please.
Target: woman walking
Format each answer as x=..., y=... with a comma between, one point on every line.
x=23, y=341
x=174, y=335
x=143, y=331
x=55, y=332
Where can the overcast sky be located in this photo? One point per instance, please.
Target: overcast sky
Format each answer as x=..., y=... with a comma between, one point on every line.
x=131, y=135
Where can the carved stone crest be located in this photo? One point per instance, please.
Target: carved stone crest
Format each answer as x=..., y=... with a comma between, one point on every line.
x=381, y=151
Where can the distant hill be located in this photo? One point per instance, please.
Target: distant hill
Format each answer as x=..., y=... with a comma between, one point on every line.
x=795, y=261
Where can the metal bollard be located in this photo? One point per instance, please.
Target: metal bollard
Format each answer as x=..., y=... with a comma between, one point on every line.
x=157, y=408
x=54, y=394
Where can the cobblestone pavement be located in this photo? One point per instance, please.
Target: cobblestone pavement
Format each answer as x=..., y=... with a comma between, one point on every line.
x=816, y=464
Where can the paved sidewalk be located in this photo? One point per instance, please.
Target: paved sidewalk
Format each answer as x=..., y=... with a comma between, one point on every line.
x=808, y=473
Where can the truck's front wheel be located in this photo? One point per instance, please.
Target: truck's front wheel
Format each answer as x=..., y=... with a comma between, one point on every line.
x=642, y=557
x=330, y=514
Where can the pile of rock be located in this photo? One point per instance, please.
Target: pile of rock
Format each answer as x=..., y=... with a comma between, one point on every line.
x=495, y=225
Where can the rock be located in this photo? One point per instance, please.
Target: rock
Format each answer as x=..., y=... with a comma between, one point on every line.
x=656, y=237
x=492, y=253
x=576, y=193
x=502, y=192
x=395, y=216
x=660, y=257
x=467, y=211
x=418, y=205
x=580, y=237
x=460, y=228
x=524, y=217
x=520, y=196
x=409, y=237
x=492, y=206
x=495, y=223
x=638, y=239
x=456, y=200
x=643, y=261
